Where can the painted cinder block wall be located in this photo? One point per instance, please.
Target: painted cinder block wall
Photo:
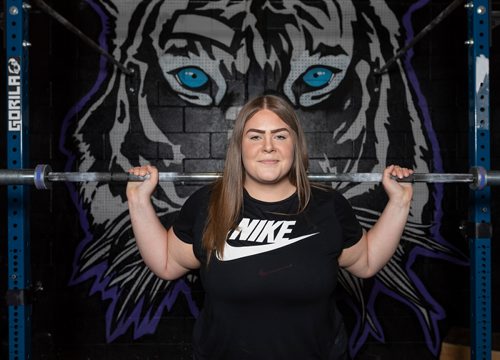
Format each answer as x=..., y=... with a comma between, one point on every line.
x=70, y=316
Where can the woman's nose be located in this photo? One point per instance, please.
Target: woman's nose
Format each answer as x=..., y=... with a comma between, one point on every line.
x=268, y=144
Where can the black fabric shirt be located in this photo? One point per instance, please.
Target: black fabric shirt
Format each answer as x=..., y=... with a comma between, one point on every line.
x=272, y=294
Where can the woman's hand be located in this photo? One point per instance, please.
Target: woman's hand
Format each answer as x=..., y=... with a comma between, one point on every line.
x=141, y=190
x=398, y=192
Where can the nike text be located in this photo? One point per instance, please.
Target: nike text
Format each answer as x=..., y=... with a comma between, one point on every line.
x=260, y=231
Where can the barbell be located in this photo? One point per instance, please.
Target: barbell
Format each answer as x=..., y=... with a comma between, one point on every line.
x=42, y=177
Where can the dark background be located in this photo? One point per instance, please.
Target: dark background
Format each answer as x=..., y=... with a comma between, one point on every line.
x=67, y=324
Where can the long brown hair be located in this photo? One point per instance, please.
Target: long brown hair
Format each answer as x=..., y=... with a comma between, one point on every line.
x=226, y=200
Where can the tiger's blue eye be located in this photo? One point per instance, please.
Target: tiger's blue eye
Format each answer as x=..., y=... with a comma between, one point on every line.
x=318, y=76
x=192, y=77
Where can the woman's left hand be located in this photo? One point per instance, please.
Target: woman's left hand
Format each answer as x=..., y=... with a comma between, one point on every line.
x=399, y=192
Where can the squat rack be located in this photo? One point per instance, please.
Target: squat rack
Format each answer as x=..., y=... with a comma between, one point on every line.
x=478, y=20
x=19, y=278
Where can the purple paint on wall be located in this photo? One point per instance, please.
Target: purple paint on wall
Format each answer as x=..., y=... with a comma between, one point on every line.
x=148, y=324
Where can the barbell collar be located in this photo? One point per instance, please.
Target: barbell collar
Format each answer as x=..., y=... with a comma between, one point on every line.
x=483, y=178
x=40, y=178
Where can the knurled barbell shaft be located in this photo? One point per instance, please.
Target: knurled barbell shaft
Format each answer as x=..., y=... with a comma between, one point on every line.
x=42, y=177
x=193, y=177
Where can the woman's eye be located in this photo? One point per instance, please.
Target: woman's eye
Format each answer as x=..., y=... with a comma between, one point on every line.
x=318, y=76
x=192, y=77
x=281, y=137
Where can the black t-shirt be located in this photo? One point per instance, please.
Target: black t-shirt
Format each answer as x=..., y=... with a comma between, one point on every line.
x=272, y=294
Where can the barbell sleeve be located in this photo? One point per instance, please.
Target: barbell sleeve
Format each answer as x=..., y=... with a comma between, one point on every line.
x=43, y=176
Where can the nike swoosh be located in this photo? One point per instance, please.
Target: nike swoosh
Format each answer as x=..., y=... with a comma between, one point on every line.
x=238, y=252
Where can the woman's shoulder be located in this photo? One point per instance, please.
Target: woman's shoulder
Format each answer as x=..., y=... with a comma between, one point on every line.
x=331, y=201
x=323, y=192
x=200, y=195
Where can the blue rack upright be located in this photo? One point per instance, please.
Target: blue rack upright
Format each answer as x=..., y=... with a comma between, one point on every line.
x=17, y=117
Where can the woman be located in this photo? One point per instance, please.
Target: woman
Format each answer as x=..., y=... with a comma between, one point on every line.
x=267, y=243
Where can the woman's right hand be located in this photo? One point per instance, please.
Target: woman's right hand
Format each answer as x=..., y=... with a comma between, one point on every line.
x=137, y=190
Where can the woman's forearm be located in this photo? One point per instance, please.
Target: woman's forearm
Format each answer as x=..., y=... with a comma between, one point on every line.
x=150, y=235
x=383, y=238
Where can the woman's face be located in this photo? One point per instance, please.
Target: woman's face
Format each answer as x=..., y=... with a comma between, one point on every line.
x=267, y=151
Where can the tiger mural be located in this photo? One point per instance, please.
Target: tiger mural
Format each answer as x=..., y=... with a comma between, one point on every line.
x=194, y=65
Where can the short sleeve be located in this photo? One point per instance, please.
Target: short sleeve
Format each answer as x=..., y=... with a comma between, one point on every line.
x=190, y=222
x=352, y=230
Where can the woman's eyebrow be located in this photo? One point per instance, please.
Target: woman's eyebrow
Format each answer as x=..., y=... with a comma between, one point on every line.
x=263, y=131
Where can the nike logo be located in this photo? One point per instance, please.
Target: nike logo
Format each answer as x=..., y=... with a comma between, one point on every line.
x=238, y=252
x=263, y=231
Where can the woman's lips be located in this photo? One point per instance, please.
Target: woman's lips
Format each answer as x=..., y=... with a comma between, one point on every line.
x=268, y=161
